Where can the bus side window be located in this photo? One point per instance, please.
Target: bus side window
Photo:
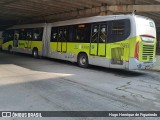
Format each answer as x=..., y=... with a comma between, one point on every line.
x=79, y=35
x=74, y=33
x=16, y=34
x=7, y=36
x=22, y=34
x=65, y=34
x=54, y=34
x=83, y=33
x=11, y=35
x=60, y=35
x=29, y=34
x=71, y=33
x=37, y=34
x=118, y=27
x=4, y=36
x=119, y=30
x=87, y=33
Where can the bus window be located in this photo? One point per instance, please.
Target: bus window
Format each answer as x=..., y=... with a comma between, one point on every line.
x=8, y=36
x=65, y=35
x=120, y=30
x=103, y=34
x=5, y=37
x=82, y=33
x=29, y=34
x=71, y=34
x=87, y=33
x=54, y=34
x=11, y=36
x=94, y=36
x=37, y=34
x=16, y=34
x=1, y=34
x=60, y=35
x=22, y=34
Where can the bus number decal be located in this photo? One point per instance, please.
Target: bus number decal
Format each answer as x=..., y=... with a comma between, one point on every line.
x=123, y=45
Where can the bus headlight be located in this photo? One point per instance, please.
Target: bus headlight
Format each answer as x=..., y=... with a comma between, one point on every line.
x=147, y=39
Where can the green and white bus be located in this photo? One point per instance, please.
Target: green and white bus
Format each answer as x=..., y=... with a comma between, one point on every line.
x=116, y=41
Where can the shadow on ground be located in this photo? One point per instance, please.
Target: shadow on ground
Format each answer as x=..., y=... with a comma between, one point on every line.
x=45, y=64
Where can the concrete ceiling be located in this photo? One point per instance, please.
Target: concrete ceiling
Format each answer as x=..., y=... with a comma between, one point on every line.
x=32, y=11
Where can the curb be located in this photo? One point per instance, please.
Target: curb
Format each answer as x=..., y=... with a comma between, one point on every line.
x=152, y=69
x=156, y=68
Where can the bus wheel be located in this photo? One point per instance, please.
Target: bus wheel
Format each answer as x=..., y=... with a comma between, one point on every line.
x=35, y=53
x=82, y=60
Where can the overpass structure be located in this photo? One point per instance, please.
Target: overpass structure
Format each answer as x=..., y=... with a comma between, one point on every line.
x=43, y=11
x=33, y=11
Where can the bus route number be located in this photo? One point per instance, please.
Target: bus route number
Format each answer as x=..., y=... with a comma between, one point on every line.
x=124, y=45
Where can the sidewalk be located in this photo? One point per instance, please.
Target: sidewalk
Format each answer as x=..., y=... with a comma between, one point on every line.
x=157, y=67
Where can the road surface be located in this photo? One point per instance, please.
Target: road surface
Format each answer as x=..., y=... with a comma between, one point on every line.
x=28, y=84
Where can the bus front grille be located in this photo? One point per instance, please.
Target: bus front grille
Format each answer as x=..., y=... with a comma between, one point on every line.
x=148, y=52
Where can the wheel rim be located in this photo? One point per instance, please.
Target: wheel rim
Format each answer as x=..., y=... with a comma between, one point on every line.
x=83, y=60
x=35, y=53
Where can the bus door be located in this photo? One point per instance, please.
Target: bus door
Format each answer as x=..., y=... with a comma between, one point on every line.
x=62, y=40
x=98, y=40
x=16, y=38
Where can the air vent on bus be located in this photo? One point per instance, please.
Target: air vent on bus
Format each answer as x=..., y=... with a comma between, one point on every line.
x=148, y=52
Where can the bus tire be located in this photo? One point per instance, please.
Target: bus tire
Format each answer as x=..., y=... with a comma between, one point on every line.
x=82, y=60
x=35, y=53
x=10, y=49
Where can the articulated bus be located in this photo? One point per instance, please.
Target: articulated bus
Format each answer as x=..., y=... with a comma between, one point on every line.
x=116, y=41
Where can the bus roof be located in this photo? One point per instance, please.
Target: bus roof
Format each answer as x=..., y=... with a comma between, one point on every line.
x=78, y=21
x=89, y=20
x=28, y=26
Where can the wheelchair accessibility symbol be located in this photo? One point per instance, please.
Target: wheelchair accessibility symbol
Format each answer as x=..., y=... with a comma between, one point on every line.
x=92, y=46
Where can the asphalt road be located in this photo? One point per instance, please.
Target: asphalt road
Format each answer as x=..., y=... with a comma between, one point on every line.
x=28, y=84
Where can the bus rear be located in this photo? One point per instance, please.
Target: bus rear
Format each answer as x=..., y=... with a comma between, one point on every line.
x=143, y=48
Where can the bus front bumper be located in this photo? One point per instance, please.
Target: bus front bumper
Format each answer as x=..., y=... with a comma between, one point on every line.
x=135, y=64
